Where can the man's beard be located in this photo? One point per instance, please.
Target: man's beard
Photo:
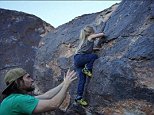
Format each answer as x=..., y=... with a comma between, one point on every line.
x=30, y=89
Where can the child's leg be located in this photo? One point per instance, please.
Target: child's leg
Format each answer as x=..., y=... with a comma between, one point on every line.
x=81, y=80
x=81, y=83
x=79, y=65
x=91, y=58
x=85, y=59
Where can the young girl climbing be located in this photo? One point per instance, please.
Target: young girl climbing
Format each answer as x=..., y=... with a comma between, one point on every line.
x=84, y=59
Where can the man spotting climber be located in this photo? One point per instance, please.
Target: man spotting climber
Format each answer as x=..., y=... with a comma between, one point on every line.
x=18, y=102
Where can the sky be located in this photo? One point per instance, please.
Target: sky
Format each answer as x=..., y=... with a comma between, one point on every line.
x=57, y=13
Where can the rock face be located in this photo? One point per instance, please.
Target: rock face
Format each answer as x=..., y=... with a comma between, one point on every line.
x=20, y=34
x=123, y=76
x=125, y=67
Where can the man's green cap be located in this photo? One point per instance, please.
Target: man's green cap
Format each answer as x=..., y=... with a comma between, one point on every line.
x=11, y=76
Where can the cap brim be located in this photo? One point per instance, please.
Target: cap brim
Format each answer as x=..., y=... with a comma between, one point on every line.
x=5, y=91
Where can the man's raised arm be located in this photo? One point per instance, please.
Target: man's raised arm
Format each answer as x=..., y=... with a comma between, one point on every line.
x=51, y=93
x=56, y=101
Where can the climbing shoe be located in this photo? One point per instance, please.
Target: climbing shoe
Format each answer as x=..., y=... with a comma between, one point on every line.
x=81, y=102
x=87, y=72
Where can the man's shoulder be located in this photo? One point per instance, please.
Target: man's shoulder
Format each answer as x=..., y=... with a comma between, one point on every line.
x=22, y=96
x=22, y=103
x=14, y=99
x=19, y=97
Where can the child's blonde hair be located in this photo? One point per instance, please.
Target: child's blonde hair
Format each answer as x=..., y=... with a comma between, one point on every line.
x=85, y=32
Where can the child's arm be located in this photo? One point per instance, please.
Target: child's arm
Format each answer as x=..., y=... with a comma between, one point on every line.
x=94, y=36
x=96, y=49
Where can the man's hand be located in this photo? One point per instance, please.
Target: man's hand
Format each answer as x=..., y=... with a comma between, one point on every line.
x=70, y=76
x=45, y=105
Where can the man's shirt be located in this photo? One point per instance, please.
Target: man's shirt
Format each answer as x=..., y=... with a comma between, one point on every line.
x=18, y=104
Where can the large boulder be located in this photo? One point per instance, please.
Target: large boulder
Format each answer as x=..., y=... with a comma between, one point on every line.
x=20, y=34
x=122, y=75
x=125, y=68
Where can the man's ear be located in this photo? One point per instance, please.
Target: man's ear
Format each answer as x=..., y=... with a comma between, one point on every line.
x=19, y=82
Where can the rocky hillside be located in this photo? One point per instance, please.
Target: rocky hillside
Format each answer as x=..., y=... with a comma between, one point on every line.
x=123, y=76
x=20, y=34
